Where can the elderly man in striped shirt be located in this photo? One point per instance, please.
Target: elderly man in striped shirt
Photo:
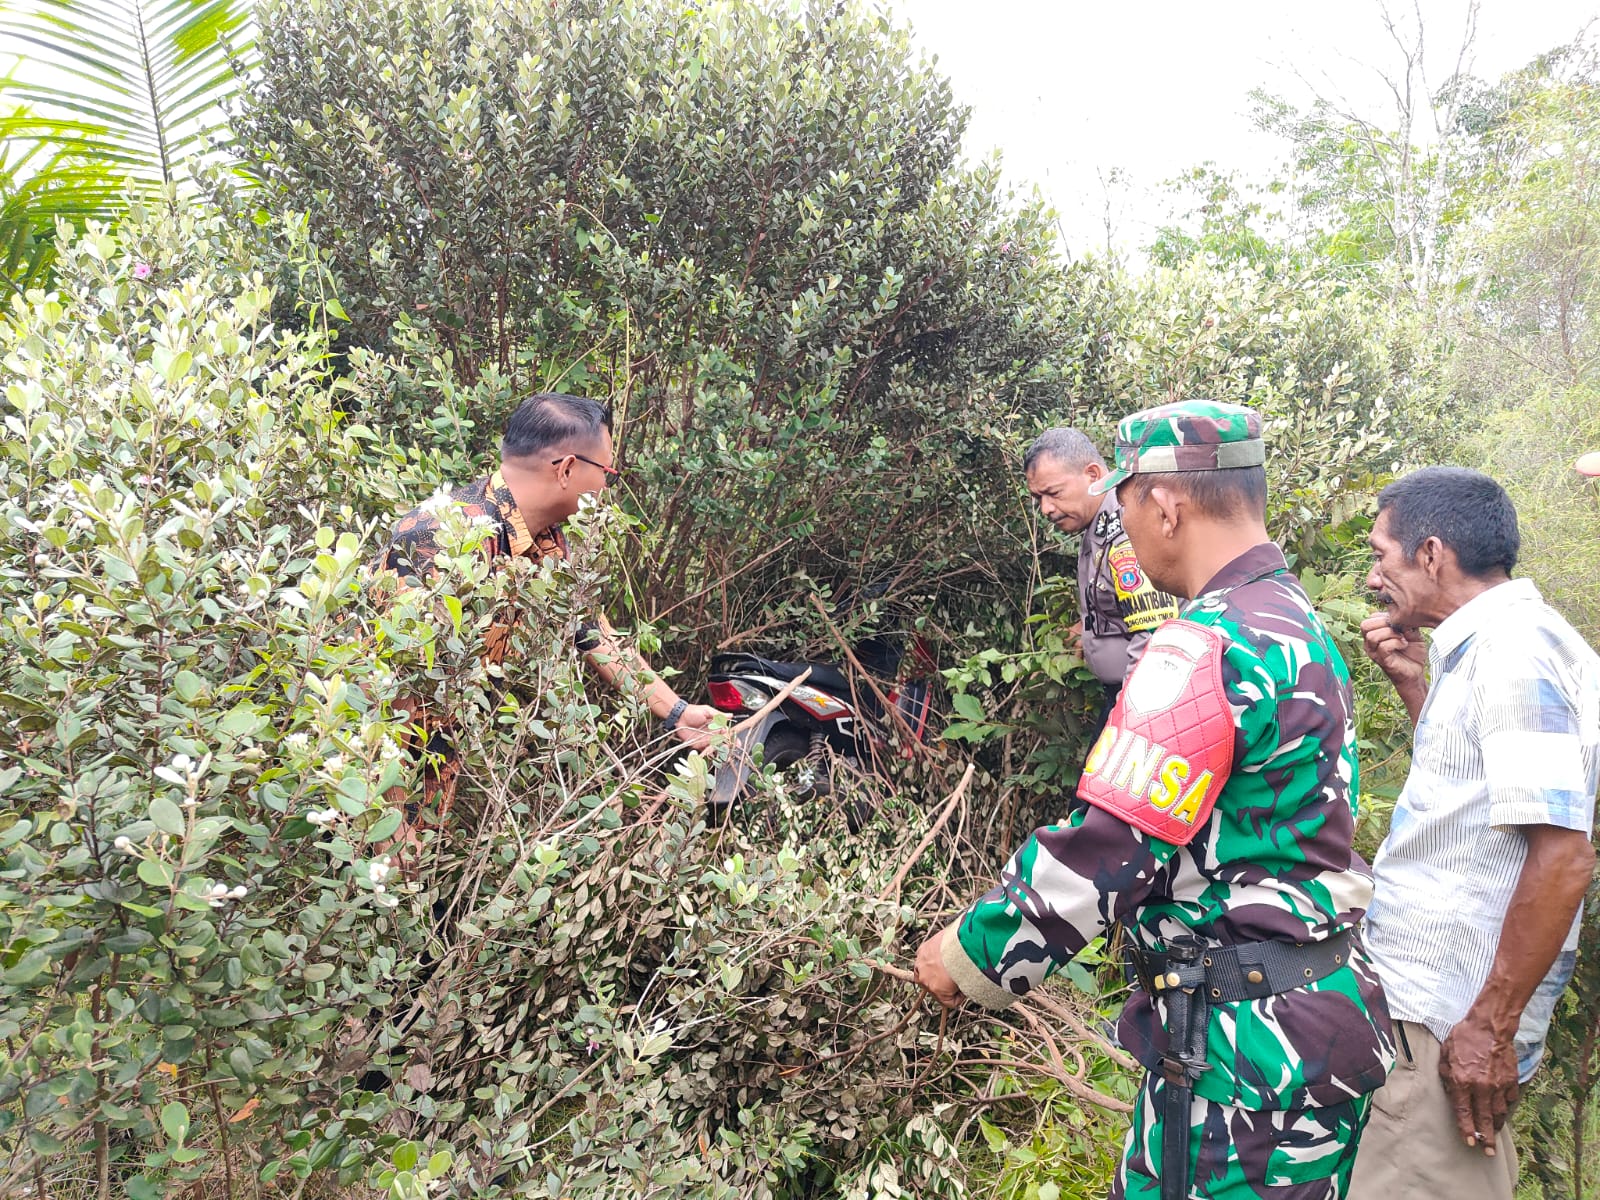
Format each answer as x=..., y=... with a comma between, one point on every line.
x=1477, y=889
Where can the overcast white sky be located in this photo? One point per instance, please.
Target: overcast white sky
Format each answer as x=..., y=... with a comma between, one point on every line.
x=1070, y=91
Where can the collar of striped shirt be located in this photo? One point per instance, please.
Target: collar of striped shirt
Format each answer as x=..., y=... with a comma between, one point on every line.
x=1478, y=612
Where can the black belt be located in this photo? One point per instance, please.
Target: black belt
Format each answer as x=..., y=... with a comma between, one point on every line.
x=1190, y=977
x=1251, y=971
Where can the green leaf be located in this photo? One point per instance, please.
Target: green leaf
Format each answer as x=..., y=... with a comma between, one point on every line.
x=27, y=968
x=178, y=366
x=385, y=825
x=1082, y=978
x=140, y=1187
x=187, y=685
x=168, y=817
x=317, y=972
x=406, y=1156
x=155, y=872
x=968, y=706
x=175, y=1120
x=336, y=309
x=994, y=1136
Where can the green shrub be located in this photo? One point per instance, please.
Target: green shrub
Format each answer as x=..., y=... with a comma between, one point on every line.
x=210, y=972
x=746, y=226
x=184, y=682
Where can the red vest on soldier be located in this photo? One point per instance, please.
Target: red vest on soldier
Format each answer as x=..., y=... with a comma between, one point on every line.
x=1167, y=749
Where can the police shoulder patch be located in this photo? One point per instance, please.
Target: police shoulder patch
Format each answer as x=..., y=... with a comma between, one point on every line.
x=1108, y=525
x=1167, y=750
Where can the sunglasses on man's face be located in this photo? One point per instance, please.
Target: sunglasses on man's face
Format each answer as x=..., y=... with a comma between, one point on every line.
x=612, y=474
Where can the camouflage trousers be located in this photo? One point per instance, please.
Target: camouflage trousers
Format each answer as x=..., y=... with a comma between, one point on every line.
x=1245, y=1154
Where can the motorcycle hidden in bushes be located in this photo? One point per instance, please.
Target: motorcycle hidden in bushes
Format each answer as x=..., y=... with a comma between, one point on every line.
x=828, y=720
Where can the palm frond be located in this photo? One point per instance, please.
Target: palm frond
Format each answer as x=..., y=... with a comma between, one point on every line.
x=109, y=94
x=139, y=84
x=39, y=189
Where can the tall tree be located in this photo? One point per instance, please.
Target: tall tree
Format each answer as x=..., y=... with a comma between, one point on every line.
x=1386, y=187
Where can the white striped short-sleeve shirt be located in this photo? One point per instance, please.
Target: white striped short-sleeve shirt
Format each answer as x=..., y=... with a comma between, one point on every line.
x=1509, y=735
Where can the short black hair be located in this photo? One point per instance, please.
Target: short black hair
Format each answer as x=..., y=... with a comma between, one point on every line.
x=1222, y=495
x=1069, y=447
x=1463, y=508
x=549, y=420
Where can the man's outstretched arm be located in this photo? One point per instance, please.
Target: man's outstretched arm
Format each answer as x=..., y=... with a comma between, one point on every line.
x=624, y=668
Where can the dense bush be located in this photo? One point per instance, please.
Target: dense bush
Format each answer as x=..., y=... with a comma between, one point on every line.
x=1314, y=360
x=745, y=226
x=827, y=342
x=213, y=970
x=183, y=684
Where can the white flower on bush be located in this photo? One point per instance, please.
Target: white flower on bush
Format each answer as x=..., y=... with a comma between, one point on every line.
x=380, y=869
x=437, y=503
x=125, y=845
x=386, y=901
x=186, y=773
x=177, y=771
x=322, y=818
x=333, y=764
x=296, y=743
x=219, y=895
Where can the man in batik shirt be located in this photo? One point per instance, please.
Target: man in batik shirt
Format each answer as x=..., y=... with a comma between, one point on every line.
x=1221, y=807
x=556, y=450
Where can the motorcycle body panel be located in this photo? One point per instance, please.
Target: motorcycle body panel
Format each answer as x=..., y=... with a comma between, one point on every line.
x=852, y=721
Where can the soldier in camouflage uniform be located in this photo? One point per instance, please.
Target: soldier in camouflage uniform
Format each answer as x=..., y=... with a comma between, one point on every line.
x=1221, y=807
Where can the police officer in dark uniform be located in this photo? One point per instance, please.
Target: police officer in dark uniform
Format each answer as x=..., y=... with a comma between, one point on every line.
x=1119, y=606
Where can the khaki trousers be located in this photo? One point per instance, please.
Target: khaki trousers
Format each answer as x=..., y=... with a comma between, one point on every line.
x=1411, y=1149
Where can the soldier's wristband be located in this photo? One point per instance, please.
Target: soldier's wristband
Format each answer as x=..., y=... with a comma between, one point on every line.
x=671, y=719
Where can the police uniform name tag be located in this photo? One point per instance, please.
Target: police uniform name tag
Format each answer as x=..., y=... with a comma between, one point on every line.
x=1141, y=607
x=1167, y=749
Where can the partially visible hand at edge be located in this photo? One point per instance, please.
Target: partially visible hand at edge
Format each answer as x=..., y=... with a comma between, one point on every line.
x=930, y=971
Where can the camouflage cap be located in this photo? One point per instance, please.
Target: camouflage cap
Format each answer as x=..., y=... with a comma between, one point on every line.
x=1193, y=435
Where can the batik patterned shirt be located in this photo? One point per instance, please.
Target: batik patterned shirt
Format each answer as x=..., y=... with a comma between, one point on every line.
x=414, y=544
x=1272, y=861
x=410, y=554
